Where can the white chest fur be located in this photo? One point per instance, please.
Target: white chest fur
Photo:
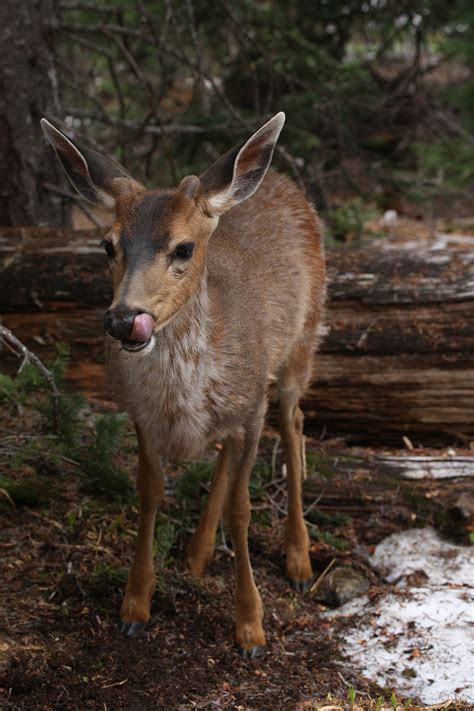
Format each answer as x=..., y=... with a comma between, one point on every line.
x=175, y=388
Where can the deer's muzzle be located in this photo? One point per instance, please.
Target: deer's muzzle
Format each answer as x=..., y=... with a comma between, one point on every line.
x=130, y=326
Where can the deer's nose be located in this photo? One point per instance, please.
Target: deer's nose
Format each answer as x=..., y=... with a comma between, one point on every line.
x=118, y=322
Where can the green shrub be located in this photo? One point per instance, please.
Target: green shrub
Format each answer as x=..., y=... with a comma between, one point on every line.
x=165, y=535
x=189, y=486
x=99, y=473
x=24, y=492
x=447, y=162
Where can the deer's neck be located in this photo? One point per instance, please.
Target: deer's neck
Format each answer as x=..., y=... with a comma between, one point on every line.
x=186, y=337
x=177, y=391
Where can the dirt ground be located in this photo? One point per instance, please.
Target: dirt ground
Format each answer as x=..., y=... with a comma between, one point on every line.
x=63, y=568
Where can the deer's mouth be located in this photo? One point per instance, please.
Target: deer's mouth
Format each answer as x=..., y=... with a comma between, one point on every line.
x=134, y=346
x=140, y=334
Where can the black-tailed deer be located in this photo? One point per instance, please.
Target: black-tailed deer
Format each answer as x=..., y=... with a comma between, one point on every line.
x=219, y=290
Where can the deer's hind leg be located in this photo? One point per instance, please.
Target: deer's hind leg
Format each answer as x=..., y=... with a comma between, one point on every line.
x=202, y=544
x=291, y=386
x=249, y=634
x=135, y=610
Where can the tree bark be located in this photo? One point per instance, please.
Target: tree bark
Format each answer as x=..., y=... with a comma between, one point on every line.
x=397, y=359
x=28, y=91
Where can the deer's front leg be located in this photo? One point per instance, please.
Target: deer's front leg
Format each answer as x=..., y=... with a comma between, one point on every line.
x=135, y=610
x=249, y=634
x=201, y=547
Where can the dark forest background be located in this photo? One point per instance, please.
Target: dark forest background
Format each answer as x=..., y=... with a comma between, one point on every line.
x=379, y=96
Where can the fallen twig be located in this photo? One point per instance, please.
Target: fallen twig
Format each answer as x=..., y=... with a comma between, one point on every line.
x=319, y=580
x=4, y=492
x=312, y=505
x=28, y=356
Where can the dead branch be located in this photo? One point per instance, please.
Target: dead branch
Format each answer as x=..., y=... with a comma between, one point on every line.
x=28, y=356
x=138, y=126
x=88, y=6
x=319, y=580
x=77, y=198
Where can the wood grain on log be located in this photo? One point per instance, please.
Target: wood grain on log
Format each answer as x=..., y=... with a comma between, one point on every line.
x=423, y=467
x=398, y=356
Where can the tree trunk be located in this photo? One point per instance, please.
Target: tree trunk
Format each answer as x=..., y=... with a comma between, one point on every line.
x=397, y=359
x=28, y=91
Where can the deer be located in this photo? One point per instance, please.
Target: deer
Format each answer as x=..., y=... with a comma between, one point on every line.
x=218, y=296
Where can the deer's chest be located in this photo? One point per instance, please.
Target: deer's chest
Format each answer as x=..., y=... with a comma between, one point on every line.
x=169, y=392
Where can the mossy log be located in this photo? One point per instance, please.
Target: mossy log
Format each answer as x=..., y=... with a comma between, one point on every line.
x=398, y=357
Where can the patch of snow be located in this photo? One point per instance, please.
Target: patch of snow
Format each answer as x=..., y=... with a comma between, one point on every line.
x=419, y=640
x=402, y=554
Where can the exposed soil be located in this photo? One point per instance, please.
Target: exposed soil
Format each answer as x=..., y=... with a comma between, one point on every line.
x=63, y=571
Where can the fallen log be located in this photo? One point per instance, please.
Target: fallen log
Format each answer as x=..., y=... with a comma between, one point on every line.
x=420, y=467
x=397, y=359
x=399, y=354
x=396, y=490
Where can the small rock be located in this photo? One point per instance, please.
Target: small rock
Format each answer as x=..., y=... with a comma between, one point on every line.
x=390, y=217
x=464, y=507
x=341, y=585
x=459, y=519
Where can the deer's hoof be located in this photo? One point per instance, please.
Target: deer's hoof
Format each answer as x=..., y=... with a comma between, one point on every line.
x=301, y=586
x=251, y=653
x=131, y=629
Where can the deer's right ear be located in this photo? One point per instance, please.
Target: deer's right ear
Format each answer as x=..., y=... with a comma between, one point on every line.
x=235, y=176
x=97, y=178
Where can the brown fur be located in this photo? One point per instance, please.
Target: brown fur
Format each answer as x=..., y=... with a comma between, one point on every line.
x=254, y=318
x=244, y=311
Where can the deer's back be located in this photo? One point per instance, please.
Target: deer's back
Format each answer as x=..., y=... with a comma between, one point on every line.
x=266, y=265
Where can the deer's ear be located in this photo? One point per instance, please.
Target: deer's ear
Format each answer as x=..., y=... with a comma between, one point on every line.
x=97, y=178
x=237, y=174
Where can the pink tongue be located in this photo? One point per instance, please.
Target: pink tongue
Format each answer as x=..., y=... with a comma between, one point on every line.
x=143, y=326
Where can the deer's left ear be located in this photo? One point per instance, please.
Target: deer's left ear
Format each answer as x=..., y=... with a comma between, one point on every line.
x=238, y=173
x=97, y=178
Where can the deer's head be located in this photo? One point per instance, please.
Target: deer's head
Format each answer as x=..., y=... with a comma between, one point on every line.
x=157, y=245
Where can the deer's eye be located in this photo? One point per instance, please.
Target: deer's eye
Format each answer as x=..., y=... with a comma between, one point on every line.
x=184, y=250
x=109, y=248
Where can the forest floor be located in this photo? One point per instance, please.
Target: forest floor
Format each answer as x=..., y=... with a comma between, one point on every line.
x=64, y=555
